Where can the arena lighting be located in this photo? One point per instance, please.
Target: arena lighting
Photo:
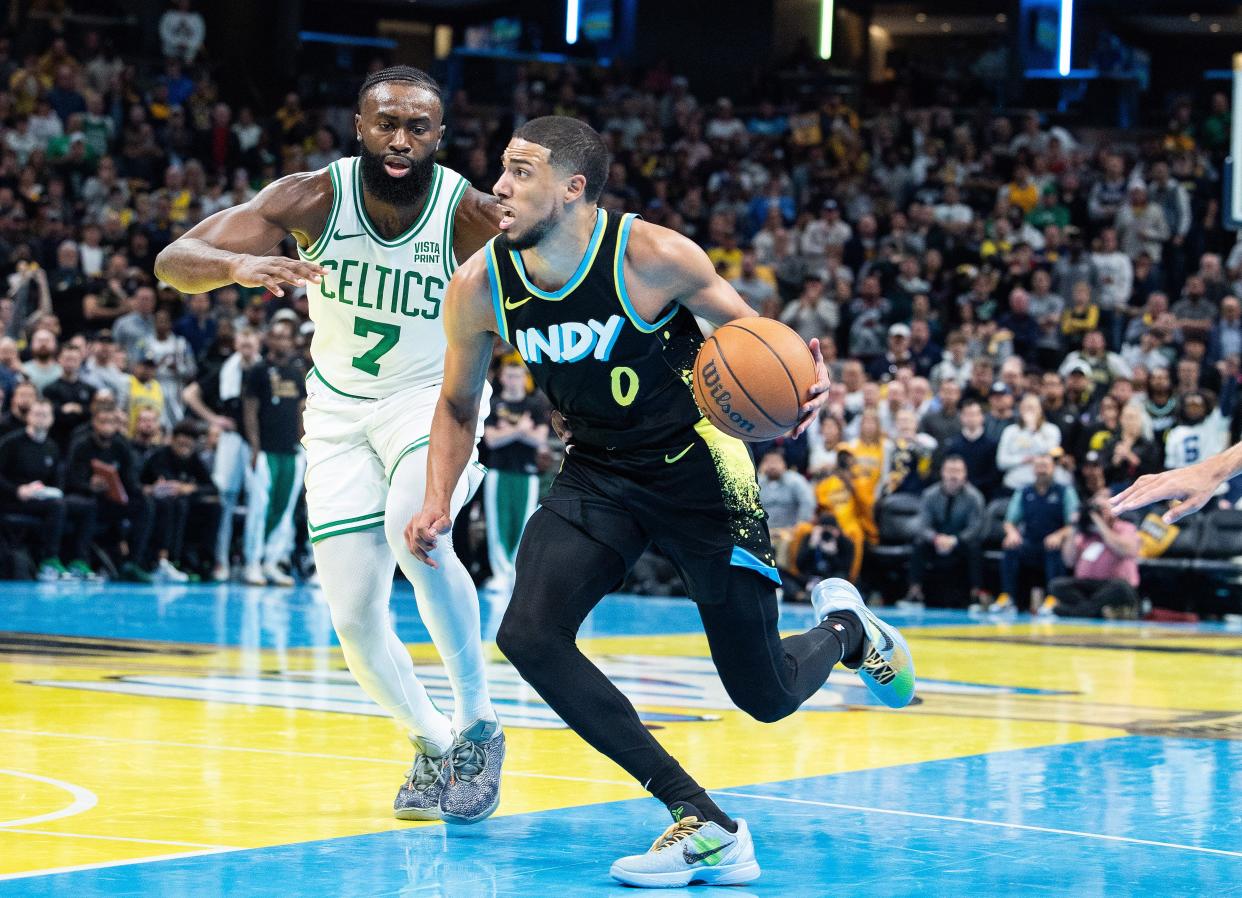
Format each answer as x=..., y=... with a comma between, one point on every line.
x=825, y=28
x=571, y=21
x=1066, y=27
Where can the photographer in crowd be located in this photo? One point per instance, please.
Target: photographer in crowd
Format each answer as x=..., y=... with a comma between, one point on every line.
x=1103, y=554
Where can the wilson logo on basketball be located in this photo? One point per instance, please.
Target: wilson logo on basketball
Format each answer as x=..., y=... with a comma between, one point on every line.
x=721, y=396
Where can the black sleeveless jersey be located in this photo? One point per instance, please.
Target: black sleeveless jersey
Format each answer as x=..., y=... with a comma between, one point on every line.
x=620, y=381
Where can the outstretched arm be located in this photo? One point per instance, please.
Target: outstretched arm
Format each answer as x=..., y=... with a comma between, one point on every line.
x=232, y=245
x=1192, y=487
x=663, y=266
x=470, y=326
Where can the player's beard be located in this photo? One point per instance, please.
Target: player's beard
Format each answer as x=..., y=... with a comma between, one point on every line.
x=534, y=234
x=405, y=191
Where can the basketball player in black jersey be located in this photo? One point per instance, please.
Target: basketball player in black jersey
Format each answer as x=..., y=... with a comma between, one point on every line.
x=602, y=309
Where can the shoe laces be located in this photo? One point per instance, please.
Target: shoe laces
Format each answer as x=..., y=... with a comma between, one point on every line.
x=467, y=760
x=877, y=668
x=687, y=826
x=424, y=774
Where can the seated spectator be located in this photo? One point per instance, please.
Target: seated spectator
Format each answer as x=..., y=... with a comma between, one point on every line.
x=1081, y=318
x=198, y=324
x=838, y=495
x=1225, y=339
x=180, y=488
x=148, y=435
x=757, y=285
x=1039, y=520
x=1024, y=441
x=1103, y=554
x=20, y=401
x=942, y=422
x=884, y=368
x=955, y=365
x=1099, y=431
x=101, y=469
x=1102, y=364
x=1203, y=430
x=977, y=449
x=823, y=450
x=143, y=391
x=788, y=500
x=1000, y=410
x=29, y=478
x=69, y=395
x=950, y=529
x=1131, y=453
x=907, y=458
x=825, y=552
x=1194, y=313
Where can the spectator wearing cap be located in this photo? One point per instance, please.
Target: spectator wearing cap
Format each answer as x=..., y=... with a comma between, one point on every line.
x=143, y=391
x=1025, y=440
x=897, y=355
x=1102, y=365
x=813, y=314
x=134, y=330
x=1000, y=410
x=1038, y=521
x=977, y=448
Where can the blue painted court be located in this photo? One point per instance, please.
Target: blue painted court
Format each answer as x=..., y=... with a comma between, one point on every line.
x=208, y=741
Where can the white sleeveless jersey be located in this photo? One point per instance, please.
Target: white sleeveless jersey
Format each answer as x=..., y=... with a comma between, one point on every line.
x=377, y=311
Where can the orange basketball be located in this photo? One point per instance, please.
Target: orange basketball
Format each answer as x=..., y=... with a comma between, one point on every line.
x=752, y=377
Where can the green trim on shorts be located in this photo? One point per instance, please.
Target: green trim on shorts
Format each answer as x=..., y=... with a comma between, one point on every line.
x=413, y=447
x=368, y=526
x=323, y=380
x=362, y=517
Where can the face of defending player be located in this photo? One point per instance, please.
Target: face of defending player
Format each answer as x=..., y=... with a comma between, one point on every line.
x=399, y=128
x=534, y=194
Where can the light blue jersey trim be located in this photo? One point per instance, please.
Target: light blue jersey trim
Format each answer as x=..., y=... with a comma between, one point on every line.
x=618, y=276
x=584, y=267
x=493, y=280
x=742, y=558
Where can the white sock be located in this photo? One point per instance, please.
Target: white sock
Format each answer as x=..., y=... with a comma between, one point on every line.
x=355, y=572
x=447, y=600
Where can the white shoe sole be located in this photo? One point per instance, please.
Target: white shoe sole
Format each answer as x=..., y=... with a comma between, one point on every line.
x=720, y=875
x=418, y=814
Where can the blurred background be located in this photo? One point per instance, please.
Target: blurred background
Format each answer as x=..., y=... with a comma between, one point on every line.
x=1013, y=230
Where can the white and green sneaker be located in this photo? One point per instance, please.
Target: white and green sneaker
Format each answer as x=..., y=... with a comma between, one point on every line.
x=692, y=851
x=887, y=669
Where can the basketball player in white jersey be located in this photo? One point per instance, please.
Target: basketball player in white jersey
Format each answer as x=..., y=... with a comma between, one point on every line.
x=379, y=235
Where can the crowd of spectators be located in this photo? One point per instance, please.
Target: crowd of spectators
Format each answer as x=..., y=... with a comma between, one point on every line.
x=1005, y=308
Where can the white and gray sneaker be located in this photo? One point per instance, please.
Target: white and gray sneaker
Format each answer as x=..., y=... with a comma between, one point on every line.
x=419, y=797
x=472, y=792
x=692, y=851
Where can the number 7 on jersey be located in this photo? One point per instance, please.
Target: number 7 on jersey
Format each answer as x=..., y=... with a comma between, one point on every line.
x=368, y=362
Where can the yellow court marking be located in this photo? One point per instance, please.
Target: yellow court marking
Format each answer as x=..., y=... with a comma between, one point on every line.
x=188, y=773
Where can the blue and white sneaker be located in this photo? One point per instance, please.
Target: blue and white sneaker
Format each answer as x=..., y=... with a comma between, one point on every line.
x=692, y=851
x=419, y=797
x=473, y=789
x=887, y=668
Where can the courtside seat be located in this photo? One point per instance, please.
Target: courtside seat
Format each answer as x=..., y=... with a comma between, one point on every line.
x=994, y=528
x=1184, y=551
x=1220, y=546
x=897, y=520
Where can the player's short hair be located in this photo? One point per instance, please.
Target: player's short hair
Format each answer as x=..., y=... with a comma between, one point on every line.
x=574, y=146
x=406, y=73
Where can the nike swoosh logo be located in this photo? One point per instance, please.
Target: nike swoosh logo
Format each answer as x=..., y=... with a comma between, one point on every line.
x=510, y=305
x=677, y=457
x=695, y=857
x=339, y=236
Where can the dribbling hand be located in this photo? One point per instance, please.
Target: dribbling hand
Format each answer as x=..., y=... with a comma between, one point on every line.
x=818, y=393
x=423, y=532
x=272, y=271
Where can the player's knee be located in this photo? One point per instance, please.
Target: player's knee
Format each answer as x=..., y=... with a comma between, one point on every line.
x=526, y=644
x=765, y=706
